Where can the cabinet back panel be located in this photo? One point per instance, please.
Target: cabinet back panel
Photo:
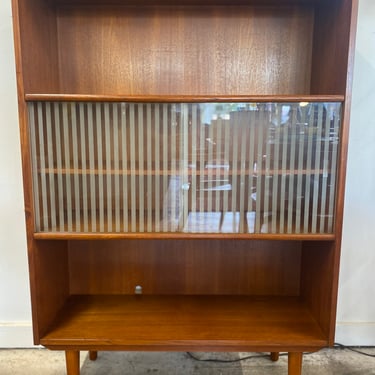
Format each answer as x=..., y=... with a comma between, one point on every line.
x=232, y=50
x=332, y=39
x=38, y=41
x=185, y=267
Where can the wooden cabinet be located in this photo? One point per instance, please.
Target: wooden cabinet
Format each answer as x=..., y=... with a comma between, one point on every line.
x=184, y=168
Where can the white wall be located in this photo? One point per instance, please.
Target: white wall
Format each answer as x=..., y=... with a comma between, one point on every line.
x=15, y=316
x=356, y=309
x=356, y=312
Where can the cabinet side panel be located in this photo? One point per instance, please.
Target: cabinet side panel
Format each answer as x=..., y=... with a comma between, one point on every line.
x=50, y=282
x=346, y=119
x=185, y=50
x=318, y=278
x=185, y=267
x=333, y=55
x=47, y=261
x=38, y=39
x=331, y=46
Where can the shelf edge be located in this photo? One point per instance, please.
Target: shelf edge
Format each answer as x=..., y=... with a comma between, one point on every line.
x=183, y=98
x=184, y=236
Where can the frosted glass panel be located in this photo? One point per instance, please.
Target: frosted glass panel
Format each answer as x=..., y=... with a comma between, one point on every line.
x=185, y=167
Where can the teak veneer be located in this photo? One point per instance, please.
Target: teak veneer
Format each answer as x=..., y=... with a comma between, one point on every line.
x=151, y=226
x=233, y=323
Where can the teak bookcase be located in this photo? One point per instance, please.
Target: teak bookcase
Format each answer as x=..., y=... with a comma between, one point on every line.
x=184, y=167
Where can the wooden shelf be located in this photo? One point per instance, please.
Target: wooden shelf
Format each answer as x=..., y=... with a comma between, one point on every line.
x=185, y=236
x=183, y=98
x=182, y=323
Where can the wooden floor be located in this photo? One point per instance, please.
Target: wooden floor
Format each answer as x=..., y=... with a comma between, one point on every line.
x=179, y=323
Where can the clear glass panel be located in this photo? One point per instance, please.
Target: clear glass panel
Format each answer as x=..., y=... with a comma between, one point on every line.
x=186, y=167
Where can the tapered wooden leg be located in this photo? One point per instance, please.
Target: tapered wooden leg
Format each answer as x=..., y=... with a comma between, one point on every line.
x=72, y=362
x=274, y=356
x=93, y=355
x=295, y=363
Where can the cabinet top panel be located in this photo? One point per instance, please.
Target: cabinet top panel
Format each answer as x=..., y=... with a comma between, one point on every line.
x=183, y=2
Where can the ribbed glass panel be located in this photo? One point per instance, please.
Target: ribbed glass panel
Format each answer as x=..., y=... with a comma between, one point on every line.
x=184, y=167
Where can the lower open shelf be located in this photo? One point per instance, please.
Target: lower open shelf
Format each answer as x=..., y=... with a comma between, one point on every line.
x=180, y=323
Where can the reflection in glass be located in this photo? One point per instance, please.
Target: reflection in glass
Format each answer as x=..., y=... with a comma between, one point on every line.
x=184, y=167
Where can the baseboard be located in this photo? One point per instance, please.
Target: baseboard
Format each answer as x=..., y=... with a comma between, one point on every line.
x=16, y=335
x=356, y=334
